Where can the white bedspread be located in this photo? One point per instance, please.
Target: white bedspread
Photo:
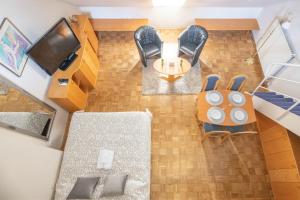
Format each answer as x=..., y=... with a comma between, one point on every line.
x=128, y=134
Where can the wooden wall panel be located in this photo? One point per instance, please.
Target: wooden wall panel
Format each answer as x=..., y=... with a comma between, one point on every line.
x=228, y=24
x=118, y=24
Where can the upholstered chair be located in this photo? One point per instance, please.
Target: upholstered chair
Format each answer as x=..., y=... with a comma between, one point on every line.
x=210, y=82
x=148, y=43
x=191, y=42
x=239, y=130
x=213, y=130
x=237, y=83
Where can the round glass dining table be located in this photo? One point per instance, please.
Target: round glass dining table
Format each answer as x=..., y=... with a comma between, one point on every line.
x=227, y=106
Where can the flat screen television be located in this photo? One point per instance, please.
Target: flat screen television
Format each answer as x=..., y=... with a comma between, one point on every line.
x=56, y=49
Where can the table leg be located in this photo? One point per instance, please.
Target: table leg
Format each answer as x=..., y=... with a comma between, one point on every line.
x=170, y=78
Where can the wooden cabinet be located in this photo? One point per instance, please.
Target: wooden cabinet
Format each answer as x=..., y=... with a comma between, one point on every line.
x=86, y=29
x=281, y=150
x=82, y=73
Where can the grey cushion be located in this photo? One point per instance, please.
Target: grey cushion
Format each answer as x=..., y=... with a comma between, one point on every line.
x=114, y=185
x=151, y=50
x=84, y=188
x=188, y=48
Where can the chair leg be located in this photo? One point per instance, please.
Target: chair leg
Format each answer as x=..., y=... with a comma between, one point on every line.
x=204, y=137
x=225, y=138
x=245, y=133
x=179, y=53
x=194, y=62
x=144, y=61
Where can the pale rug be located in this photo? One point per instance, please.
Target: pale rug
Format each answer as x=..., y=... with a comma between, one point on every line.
x=190, y=83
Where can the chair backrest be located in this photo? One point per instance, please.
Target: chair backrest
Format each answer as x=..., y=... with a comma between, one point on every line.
x=240, y=130
x=213, y=129
x=237, y=83
x=145, y=35
x=196, y=34
x=211, y=82
x=235, y=129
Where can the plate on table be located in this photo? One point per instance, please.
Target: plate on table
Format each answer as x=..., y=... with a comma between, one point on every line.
x=216, y=115
x=239, y=116
x=237, y=98
x=214, y=98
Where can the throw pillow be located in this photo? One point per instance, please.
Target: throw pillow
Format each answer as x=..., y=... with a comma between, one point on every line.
x=114, y=185
x=83, y=188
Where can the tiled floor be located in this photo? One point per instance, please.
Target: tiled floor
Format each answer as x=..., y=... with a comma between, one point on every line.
x=182, y=167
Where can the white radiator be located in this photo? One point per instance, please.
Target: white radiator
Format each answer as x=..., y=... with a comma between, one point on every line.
x=274, y=47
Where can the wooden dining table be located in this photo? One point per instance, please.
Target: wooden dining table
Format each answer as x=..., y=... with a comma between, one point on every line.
x=203, y=106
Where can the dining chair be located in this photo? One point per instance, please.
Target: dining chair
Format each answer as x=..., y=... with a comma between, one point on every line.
x=237, y=83
x=212, y=130
x=210, y=82
x=238, y=130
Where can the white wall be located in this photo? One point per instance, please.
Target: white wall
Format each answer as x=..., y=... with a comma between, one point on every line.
x=265, y=18
x=163, y=17
x=28, y=170
x=187, y=3
x=34, y=18
x=280, y=10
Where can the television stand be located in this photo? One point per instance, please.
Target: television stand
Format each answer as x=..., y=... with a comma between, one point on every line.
x=67, y=62
x=70, y=86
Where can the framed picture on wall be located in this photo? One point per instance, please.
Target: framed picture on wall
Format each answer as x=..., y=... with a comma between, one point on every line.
x=13, y=47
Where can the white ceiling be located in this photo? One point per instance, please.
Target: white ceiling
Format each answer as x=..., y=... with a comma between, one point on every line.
x=148, y=3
